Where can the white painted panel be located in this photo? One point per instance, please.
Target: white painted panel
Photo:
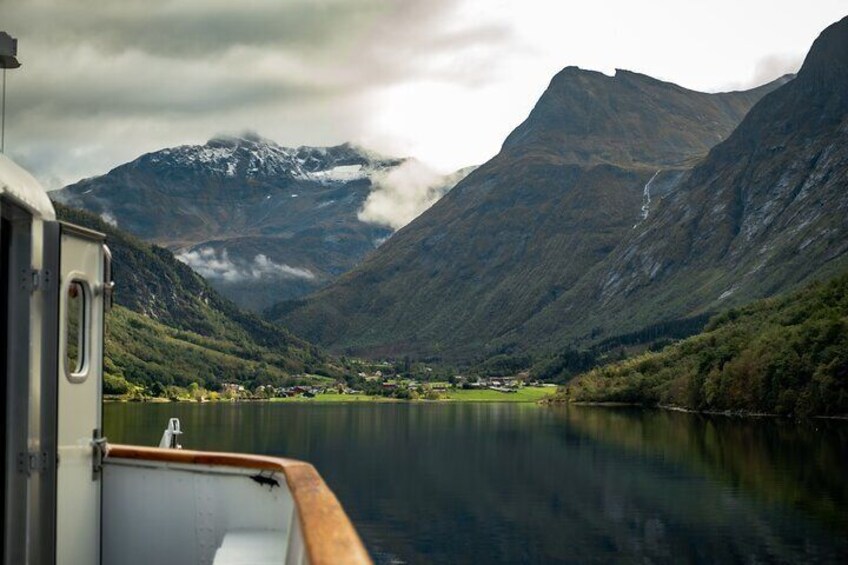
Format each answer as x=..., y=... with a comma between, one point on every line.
x=296, y=554
x=78, y=493
x=251, y=547
x=161, y=513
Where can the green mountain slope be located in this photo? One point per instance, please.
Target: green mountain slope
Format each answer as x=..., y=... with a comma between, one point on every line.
x=785, y=355
x=516, y=234
x=169, y=327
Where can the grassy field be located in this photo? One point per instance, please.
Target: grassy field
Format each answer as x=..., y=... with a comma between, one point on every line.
x=527, y=394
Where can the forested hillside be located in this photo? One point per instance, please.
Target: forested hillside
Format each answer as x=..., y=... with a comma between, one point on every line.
x=786, y=355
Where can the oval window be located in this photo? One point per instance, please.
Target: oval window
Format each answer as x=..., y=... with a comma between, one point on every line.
x=76, y=331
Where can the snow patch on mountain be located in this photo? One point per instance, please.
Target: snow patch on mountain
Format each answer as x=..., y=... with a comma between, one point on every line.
x=341, y=173
x=252, y=156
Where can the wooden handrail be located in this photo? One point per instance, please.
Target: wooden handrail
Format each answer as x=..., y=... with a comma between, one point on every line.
x=328, y=535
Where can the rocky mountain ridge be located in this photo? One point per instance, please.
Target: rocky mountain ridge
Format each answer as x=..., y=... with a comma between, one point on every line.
x=765, y=212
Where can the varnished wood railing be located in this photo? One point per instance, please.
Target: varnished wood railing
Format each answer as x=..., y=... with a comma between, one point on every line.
x=328, y=535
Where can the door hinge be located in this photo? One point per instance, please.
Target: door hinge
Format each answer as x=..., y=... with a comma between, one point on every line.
x=34, y=279
x=32, y=462
x=98, y=444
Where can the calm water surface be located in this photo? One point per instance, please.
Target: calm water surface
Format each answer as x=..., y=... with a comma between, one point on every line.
x=506, y=483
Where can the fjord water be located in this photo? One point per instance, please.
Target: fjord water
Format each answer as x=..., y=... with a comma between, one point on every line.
x=509, y=483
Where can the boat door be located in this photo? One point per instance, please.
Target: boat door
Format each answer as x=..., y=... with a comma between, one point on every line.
x=81, y=302
x=16, y=259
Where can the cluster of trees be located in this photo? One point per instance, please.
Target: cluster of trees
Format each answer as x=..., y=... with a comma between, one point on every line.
x=503, y=365
x=119, y=386
x=572, y=361
x=785, y=355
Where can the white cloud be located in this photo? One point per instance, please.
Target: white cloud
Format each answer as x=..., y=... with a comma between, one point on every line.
x=442, y=80
x=210, y=265
x=105, y=81
x=403, y=193
x=109, y=218
x=699, y=45
x=263, y=266
x=768, y=69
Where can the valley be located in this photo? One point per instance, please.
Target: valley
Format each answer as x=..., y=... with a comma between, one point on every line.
x=620, y=217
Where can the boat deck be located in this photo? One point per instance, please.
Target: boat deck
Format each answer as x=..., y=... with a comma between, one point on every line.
x=181, y=506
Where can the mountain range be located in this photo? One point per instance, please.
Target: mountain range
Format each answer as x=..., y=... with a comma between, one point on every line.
x=516, y=256
x=261, y=222
x=622, y=203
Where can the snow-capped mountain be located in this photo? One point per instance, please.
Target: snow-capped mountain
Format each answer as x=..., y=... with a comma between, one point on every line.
x=252, y=157
x=261, y=222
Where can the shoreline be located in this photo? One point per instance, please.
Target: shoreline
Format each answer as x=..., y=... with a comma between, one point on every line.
x=672, y=408
x=529, y=395
x=544, y=400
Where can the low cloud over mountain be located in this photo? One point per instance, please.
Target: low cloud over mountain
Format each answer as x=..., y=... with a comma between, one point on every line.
x=208, y=263
x=401, y=194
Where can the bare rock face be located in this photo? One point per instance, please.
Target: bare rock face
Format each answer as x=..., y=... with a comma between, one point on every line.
x=766, y=211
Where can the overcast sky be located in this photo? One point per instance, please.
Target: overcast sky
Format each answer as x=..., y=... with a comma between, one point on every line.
x=104, y=81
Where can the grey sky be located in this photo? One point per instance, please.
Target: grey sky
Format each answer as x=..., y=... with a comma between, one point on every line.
x=443, y=80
